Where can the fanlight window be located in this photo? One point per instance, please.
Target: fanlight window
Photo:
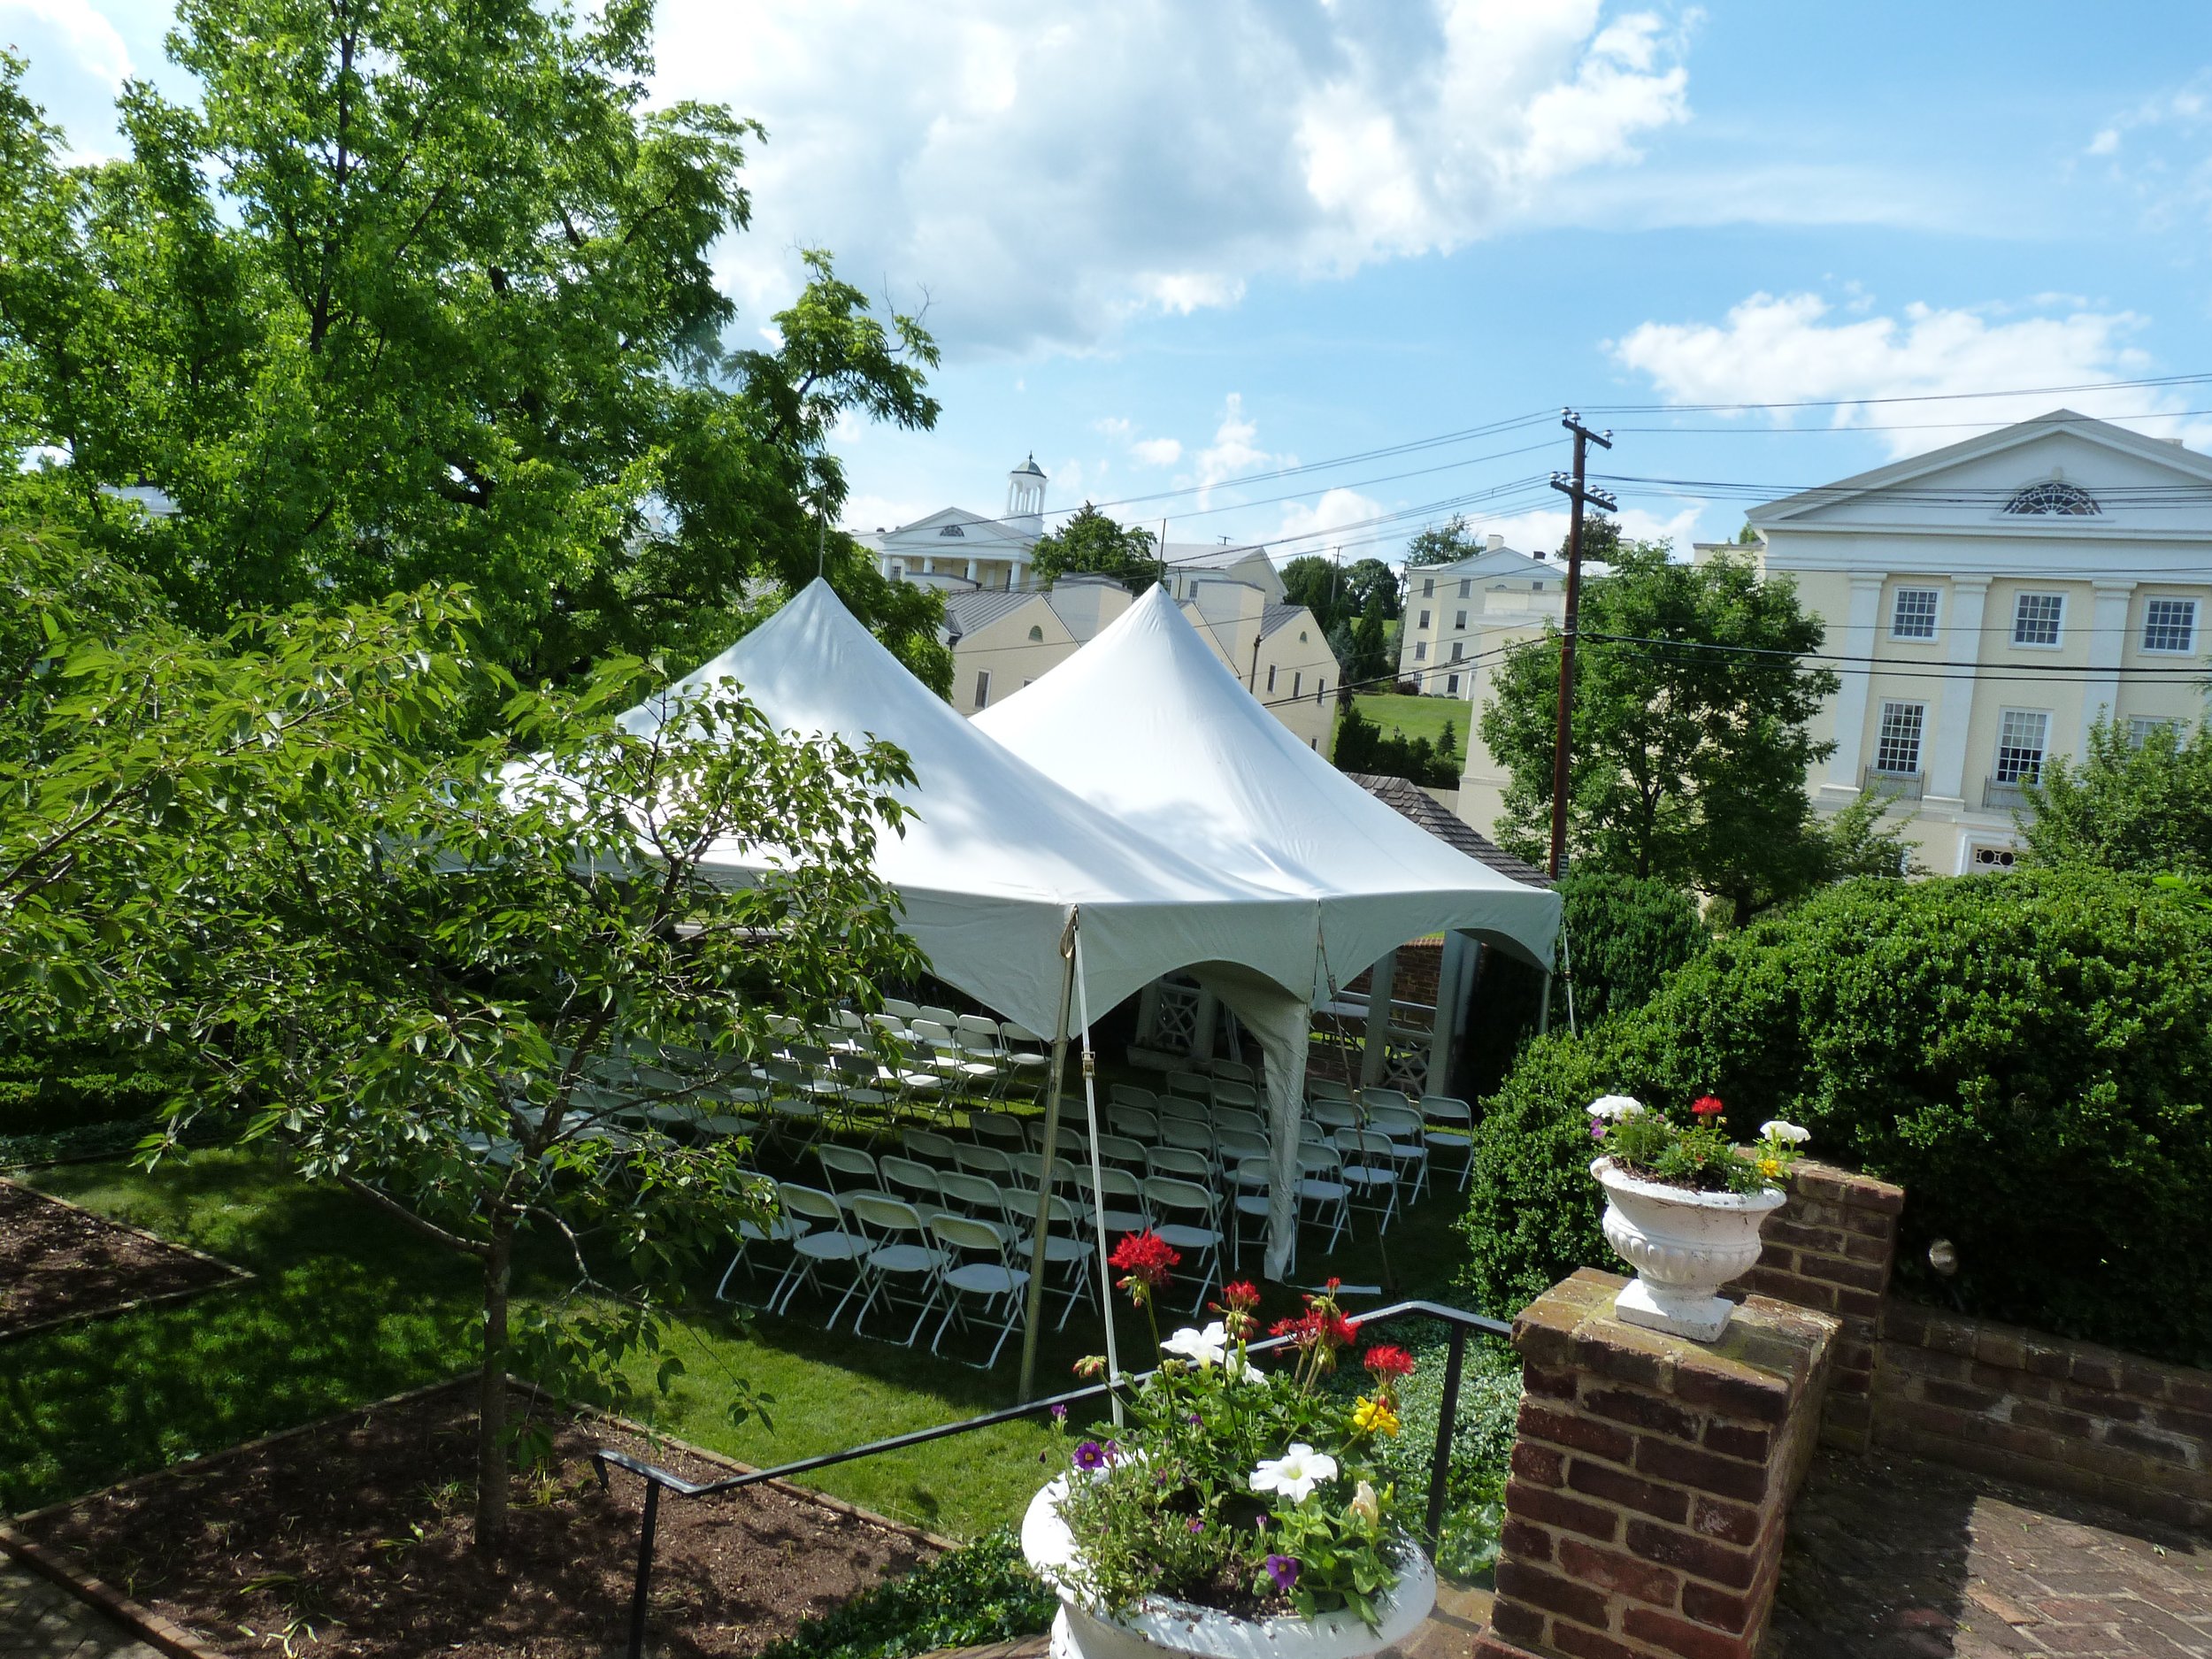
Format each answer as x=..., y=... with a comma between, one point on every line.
x=2053, y=496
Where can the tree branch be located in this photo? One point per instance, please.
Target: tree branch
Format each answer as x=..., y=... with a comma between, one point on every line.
x=428, y=1229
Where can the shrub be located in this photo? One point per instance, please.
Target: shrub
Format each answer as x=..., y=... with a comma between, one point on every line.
x=2028, y=1055
x=982, y=1593
x=1625, y=935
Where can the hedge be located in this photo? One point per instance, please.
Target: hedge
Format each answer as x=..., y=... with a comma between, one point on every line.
x=2029, y=1055
x=1625, y=935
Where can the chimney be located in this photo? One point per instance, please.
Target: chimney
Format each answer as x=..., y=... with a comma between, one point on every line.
x=1492, y=542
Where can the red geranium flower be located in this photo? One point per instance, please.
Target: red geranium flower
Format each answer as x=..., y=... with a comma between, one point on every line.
x=1706, y=1106
x=1241, y=1296
x=1145, y=1257
x=1385, y=1361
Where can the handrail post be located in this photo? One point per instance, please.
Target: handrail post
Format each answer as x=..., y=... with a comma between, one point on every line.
x=1446, y=1419
x=644, y=1570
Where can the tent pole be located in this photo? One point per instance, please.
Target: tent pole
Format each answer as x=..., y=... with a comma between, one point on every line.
x=1051, y=1149
x=1098, y=1196
x=1543, y=1014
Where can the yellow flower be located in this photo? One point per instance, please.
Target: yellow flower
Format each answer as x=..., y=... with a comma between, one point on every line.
x=1770, y=1168
x=1374, y=1416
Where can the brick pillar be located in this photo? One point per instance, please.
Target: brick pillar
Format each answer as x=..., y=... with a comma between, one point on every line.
x=1651, y=1477
x=1830, y=1247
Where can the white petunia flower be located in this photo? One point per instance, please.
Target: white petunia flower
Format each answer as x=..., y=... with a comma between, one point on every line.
x=1209, y=1347
x=1613, y=1109
x=1776, y=1129
x=1295, y=1473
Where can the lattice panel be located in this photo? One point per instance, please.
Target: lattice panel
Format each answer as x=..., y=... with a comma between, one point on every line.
x=1175, y=1020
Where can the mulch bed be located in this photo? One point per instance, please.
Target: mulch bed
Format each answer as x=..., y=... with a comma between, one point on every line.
x=60, y=1263
x=357, y=1528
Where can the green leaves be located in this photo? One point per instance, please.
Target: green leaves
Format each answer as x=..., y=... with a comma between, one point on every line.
x=1092, y=543
x=2121, y=806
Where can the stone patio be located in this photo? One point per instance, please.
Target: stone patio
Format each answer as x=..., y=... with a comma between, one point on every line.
x=1893, y=1558
x=39, y=1621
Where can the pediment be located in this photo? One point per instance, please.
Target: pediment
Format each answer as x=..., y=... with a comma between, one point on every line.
x=950, y=529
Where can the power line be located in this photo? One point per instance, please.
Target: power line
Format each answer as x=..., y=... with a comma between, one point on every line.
x=2148, y=382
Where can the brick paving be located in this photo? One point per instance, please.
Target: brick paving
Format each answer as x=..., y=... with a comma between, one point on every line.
x=38, y=1620
x=1890, y=1557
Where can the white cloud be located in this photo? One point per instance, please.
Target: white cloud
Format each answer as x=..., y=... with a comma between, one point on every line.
x=1043, y=175
x=1112, y=425
x=1545, y=530
x=79, y=29
x=1234, y=449
x=1783, y=348
x=1157, y=451
x=864, y=511
x=2106, y=142
x=1337, y=509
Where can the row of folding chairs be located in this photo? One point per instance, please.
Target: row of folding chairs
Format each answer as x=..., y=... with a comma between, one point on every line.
x=1001, y=1057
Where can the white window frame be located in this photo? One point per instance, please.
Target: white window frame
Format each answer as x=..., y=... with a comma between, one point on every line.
x=1919, y=711
x=1428, y=587
x=1459, y=650
x=2058, y=621
x=1934, y=615
x=2141, y=726
x=1459, y=621
x=1451, y=685
x=1466, y=585
x=2023, y=775
x=2189, y=607
x=1423, y=623
x=1420, y=650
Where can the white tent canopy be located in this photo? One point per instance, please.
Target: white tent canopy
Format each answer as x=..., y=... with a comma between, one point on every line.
x=996, y=855
x=1146, y=723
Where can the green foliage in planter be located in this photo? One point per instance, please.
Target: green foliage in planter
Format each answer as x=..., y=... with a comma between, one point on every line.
x=2029, y=1055
x=1626, y=934
x=982, y=1593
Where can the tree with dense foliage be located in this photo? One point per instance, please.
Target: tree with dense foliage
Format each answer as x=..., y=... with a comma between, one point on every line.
x=1442, y=543
x=451, y=974
x=2028, y=1055
x=2125, y=806
x=1624, y=935
x=1690, y=731
x=1338, y=593
x=1363, y=747
x=1092, y=544
x=413, y=294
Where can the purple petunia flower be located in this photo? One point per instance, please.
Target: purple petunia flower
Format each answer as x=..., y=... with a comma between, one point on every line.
x=1597, y=1132
x=1283, y=1570
x=1197, y=1525
x=1059, y=1414
x=1090, y=1454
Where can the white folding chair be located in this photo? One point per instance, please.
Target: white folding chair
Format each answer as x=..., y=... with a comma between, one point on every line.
x=913, y=1181
x=1230, y=1145
x=1133, y=1094
x=1326, y=1088
x=1188, y=1134
x=1371, y=1098
x=982, y=1054
x=1187, y=1217
x=977, y=1197
x=1121, y=1152
x=1250, y=1182
x=847, y=1171
x=1448, y=1124
x=783, y=1228
x=986, y=1161
x=899, y=1009
x=899, y=1257
x=826, y=1242
x=928, y=1145
x=1191, y=1085
x=1407, y=1150
x=1248, y=1123
x=1001, y=1130
x=1234, y=1071
x=1240, y=1096
x=1121, y=1194
x=1369, y=1171
x=1334, y=1114
x=1027, y=1058
x=1322, y=1188
x=978, y=1270
x=1184, y=1166
x=1028, y=1171
x=1134, y=1122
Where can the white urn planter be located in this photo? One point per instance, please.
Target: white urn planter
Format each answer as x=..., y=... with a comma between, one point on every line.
x=1159, y=1626
x=1683, y=1245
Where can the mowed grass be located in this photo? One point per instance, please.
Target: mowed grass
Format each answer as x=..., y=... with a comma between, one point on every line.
x=348, y=1306
x=1416, y=717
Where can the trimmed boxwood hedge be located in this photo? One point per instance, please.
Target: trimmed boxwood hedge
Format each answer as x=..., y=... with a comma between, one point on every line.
x=2029, y=1055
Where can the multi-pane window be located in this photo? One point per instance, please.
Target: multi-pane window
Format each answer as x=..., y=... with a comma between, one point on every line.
x=1420, y=650
x=1424, y=621
x=2035, y=618
x=983, y=688
x=1458, y=650
x=1897, y=744
x=2170, y=625
x=2021, y=738
x=1466, y=585
x=2141, y=726
x=1428, y=588
x=1459, y=621
x=1451, y=684
x=1913, y=615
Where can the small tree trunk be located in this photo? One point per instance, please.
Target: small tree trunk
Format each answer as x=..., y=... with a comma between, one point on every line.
x=491, y=1394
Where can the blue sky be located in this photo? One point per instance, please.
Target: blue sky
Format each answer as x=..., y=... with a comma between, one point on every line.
x=1164, y=247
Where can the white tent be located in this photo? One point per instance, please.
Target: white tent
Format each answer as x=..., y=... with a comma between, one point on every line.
x=996, y=856
x=1146, y=723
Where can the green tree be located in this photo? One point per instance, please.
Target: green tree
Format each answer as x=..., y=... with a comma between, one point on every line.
x=1336, y=593
x=1092, y=544
x=1443, y=543
x=2126, y=808
x=451, y=974
x=1690, y=739
x=410, y=293
x=1625, y=935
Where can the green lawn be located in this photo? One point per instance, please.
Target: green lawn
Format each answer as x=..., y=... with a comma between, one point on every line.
x=1416, y=717
x=348, y=1307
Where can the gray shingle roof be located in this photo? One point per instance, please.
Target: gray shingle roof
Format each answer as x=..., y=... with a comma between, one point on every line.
x=964, y=614
x=1273, y=616
x=1410, y=800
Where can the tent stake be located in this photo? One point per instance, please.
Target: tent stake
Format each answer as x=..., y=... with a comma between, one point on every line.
x=1051, y=1149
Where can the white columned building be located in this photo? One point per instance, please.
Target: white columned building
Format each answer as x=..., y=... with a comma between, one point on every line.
x=1988, y=605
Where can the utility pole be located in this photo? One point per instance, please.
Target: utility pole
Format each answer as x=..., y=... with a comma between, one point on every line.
x=1577, y=494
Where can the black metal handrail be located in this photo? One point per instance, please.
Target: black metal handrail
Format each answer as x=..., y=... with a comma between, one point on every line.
x=656, y=1479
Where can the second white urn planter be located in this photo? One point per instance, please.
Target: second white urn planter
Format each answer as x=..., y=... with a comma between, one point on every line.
x=1683, y=1245
x=1160, y=1627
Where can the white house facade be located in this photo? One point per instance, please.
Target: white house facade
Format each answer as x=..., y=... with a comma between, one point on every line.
x=1987, y=604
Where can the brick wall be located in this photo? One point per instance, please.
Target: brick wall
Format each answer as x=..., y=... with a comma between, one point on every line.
x=1651, y=1476
x=1830, y=1247
x=1420, y=969
x=2131, y=1431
